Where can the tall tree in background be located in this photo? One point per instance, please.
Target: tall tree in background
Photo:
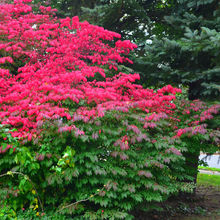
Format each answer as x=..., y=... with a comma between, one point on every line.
x=191, y=54
x=179, y=40
x=134, y=19
x=137, y=20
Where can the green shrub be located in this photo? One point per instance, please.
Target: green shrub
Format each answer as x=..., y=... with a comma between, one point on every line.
x=113, y=163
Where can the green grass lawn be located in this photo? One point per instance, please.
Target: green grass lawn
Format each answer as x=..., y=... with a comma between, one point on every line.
x=209, y=168
x=208, y=180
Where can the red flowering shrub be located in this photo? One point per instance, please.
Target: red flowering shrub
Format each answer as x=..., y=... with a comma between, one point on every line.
x=60, y=56
x=78, y=134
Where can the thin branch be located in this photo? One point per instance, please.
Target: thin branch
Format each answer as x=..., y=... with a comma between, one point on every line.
x=83, y=200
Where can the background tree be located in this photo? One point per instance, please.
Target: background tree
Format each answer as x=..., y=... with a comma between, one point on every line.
x=178, y=40
x=190, y=53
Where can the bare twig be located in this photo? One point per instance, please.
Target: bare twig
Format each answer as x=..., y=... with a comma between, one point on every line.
x=83, y=200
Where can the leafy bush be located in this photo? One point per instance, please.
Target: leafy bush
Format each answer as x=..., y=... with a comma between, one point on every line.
x=93, y=147
x=117, y=163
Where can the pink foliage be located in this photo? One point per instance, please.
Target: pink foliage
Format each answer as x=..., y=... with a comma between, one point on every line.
x=60, y=55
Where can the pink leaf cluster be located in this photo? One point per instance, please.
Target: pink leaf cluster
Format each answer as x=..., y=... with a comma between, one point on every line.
x=60, y=55
x=62, y=58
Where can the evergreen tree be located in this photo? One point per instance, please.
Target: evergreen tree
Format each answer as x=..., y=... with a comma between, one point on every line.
x=190, y=53
x=133, y=19
x=178, y=40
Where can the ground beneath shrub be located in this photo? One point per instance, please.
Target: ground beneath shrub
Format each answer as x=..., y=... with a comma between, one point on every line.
x=204, y=206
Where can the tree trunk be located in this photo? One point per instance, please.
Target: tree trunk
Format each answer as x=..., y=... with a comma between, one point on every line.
x=191, y=167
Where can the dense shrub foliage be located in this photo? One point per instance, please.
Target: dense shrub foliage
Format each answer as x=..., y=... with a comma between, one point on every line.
x=82, y=130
